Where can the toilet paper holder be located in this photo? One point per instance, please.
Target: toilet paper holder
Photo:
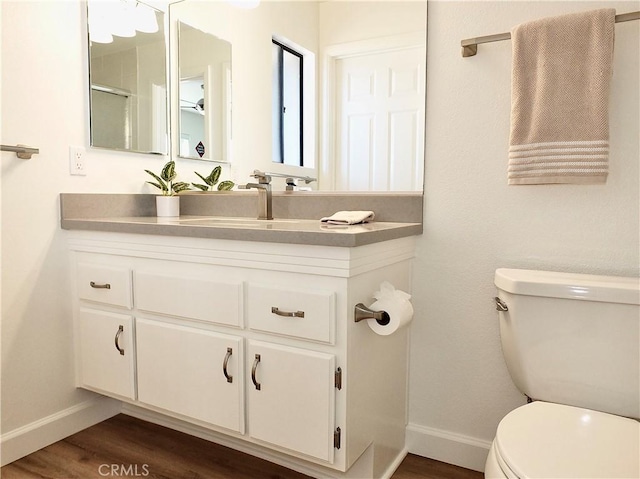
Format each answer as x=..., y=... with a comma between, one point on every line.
x=362, y=312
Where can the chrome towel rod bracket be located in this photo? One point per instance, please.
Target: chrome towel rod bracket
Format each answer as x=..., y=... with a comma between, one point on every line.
x=22, y=151
x=470, y=45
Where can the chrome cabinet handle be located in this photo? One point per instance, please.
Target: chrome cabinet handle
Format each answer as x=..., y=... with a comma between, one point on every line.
x=253, y=372
x=288, y=314
x=225, y=364
x=117, y=340
x=100, y=286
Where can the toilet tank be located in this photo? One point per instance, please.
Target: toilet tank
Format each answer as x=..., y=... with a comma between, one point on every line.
x=573, y=338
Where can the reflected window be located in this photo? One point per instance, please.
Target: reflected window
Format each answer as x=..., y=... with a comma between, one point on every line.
x=288, y=124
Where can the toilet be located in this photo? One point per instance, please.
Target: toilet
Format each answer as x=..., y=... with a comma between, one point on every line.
x=571, y=343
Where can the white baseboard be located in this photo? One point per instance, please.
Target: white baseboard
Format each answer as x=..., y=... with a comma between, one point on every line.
x=43, y=432
x=447, y=447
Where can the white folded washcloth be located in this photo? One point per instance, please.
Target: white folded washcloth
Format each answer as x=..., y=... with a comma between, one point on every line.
x=349, y=217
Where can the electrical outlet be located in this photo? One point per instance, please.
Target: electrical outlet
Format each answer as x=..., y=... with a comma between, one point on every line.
x=77, y=160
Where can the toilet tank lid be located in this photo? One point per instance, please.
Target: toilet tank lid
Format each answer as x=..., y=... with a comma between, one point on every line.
x=553, y=284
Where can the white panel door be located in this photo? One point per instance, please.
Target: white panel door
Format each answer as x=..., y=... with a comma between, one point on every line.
x=106, y=352
x=191, y=371
x=380, y=121
x=292, y=398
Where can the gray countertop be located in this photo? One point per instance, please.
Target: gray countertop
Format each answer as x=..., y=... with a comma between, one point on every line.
x=298, y=231
x=80, y=212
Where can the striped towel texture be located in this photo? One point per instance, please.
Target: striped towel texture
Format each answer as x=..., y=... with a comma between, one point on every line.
x=560, y=99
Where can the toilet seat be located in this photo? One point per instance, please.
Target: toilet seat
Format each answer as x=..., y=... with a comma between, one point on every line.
x=546, y=440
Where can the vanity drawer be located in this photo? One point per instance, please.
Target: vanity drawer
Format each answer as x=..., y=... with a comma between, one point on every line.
x=198, y=297
x=302, y=314
x=105, y=284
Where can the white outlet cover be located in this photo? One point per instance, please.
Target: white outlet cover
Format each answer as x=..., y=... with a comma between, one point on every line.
x=77, y=161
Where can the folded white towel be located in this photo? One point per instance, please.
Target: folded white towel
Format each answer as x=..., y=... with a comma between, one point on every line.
x=349, y=217
x=560, y=98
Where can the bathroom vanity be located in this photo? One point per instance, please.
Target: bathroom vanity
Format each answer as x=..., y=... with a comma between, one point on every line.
x=248, y=343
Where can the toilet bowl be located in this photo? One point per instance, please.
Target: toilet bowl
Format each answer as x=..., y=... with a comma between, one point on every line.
x=546, y=440
x=570, y=342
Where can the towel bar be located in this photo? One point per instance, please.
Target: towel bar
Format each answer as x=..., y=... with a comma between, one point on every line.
x=22, y=151
x=470, y=45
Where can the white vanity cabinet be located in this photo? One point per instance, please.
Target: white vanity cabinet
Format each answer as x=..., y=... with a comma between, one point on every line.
x=252, y=345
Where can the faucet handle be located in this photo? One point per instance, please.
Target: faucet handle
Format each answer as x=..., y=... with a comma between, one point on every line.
x=262, y=177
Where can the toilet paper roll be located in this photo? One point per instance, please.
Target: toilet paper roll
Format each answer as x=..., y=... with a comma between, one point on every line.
x=400, y=313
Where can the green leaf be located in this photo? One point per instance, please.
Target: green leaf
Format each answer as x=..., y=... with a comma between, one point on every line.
x=161, y=184
x=226, y=185
x=180, y=186
x=206, y=180
x=169, y=171
x=201, y=187
x=214, y=176
x=156, y=185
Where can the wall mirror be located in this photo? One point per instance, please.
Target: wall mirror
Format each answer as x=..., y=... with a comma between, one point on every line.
x=360, y=59
x=204, y=92
x=128, y=76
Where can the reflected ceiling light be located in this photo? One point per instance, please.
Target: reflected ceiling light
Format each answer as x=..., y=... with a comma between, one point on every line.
x=99, y=29
x=245, y=4
x=100, y=36
x=123, y=20
x=146, y=21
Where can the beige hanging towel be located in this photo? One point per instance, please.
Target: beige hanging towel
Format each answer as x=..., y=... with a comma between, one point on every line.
x=560, y=98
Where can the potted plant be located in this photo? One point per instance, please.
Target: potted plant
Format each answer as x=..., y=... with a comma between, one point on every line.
x=211, y=181
x=168, y=204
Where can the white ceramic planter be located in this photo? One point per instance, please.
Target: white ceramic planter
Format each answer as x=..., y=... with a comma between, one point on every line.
x=167, y=206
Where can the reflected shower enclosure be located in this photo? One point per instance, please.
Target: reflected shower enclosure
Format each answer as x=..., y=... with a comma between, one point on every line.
x=128, y=77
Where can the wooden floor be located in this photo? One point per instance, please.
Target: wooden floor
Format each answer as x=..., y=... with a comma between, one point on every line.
x=127, y=447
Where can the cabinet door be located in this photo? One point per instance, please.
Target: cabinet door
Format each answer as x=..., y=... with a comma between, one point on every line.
x=294, y=405
x=191, y=371
x=106, y=352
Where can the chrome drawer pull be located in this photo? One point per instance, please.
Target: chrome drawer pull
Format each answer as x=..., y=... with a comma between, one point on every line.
x=253, y=372
x=100, y=286
x=117, y=340
x=225, y=364
x=287, y=314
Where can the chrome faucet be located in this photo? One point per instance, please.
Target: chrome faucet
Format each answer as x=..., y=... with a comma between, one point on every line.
x=292, y=180
x=265, y=210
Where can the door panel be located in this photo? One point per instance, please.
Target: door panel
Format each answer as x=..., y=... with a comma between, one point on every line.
x=106, y=352
x=182, y=369
x=380, y=121
x=294, y=407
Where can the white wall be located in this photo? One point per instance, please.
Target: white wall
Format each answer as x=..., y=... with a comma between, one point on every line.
x=475, y=223
x=45, y=105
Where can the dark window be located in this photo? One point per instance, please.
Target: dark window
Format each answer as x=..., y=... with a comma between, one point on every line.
x=287, y=105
